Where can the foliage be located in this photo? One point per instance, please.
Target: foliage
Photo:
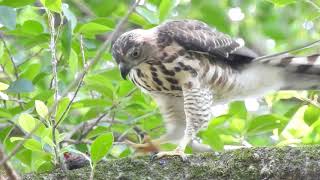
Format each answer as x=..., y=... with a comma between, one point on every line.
x=111, y=107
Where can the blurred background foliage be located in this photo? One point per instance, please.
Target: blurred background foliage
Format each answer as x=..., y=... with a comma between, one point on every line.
x=107, y=103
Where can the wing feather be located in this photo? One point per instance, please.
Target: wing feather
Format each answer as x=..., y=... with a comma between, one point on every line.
x=197, y=36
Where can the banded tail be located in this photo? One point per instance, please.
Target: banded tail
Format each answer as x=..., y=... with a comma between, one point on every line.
x=301, y=73
x=306, y=65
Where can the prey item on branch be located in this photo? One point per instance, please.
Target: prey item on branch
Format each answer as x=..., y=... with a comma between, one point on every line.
x=188, y=67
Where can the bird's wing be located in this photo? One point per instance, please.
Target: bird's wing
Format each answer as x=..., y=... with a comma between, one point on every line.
x=197, y=36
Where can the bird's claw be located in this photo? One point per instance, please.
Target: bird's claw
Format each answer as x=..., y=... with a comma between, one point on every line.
x=175, y=152
x=147, y=147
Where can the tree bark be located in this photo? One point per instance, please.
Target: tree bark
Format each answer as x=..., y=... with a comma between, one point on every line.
x=254, y=163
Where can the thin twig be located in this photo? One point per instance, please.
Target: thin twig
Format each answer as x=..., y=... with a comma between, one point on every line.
x=11, y=57
x=31, y=56
x=72, y=141
x=314, y=103
x=55, y=87
x=86, y=124
x=82, y=51
x=79, y=78
x=11, y=173
x=78, y=87
x=93, y=125
x=14, y=100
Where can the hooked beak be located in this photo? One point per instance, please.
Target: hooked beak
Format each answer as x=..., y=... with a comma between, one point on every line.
x=124, y=70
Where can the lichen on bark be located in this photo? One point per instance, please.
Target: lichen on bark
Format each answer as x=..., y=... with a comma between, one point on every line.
x=252, y=163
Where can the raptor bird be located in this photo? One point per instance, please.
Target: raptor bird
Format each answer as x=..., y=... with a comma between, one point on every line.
x=188, y=67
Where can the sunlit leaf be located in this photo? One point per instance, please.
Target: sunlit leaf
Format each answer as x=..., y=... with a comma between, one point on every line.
x=165, y=8
x=53, y=5
x=33, y=145
x=27, y=122
x=93, y=28
x=16, y=3
x=13, y=139
x=100, y=147
x=41, y=109
x=238, y=109
x=211, y=137
x=311, y=114
x=281, y=3
x=266, y=123
x=3, y=86
x=32, y=27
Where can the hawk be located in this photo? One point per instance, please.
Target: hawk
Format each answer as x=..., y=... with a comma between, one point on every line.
x=187, y=67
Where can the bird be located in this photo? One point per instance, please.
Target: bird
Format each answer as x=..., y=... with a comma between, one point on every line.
x=188, y=67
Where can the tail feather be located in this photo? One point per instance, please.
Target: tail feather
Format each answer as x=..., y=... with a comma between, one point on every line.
x=306, y=65
x=300, y=73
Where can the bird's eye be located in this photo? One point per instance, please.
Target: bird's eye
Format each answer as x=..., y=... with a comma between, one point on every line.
x=135, y=53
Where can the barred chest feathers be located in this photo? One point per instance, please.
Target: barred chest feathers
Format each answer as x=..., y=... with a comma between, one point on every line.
x=168, y=76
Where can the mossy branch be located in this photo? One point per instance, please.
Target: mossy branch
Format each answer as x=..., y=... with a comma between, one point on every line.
x=251, y=163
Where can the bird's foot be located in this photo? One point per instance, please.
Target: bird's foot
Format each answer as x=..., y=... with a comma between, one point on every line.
x=176, y=152
x=147, y=147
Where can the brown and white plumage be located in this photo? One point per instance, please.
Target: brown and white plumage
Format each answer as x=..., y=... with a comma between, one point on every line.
x=188, y=67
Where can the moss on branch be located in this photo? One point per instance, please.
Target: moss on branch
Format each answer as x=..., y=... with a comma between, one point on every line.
x=253, y=163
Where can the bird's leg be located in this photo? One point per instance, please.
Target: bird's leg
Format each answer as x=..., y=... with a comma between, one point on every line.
x=197, y=104
x=147, y=146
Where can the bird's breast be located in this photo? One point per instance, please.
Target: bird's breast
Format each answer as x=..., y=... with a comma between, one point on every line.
x=157, y=77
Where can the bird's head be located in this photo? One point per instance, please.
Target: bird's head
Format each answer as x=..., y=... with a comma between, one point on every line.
x=132, y=48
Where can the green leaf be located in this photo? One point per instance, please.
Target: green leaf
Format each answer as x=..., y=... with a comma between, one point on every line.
x=39, y=158
x=138, y=19
x=66, y=40
x=165, y=7
x=5, y=132
x=93, y=28
x=73, y=62
x=100, y=147
x=265, y=123
x=32, y=27
x=212, y=138
x=150, y=16
x=53, y=5
x=30, y=71
x=3, y=86
x=281, y=3
x=27, y=122
x=33, y=145
x=97, y=131
x=8, y=17
x=311, y=114
x=41, y=109
x=238, y=124
x=21, y=86
x=16, y=3
x=62, y=107
x=238, y=109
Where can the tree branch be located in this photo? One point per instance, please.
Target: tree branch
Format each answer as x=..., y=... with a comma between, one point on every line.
x=250, y=163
